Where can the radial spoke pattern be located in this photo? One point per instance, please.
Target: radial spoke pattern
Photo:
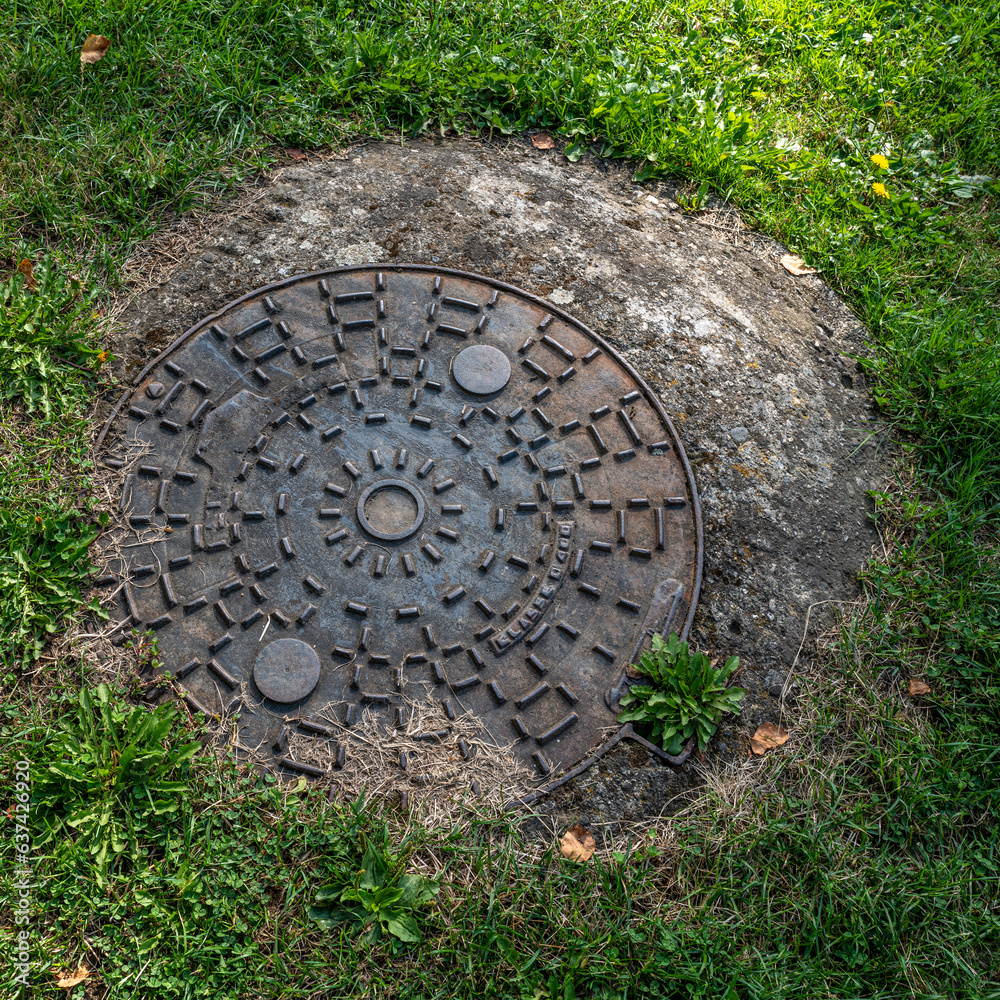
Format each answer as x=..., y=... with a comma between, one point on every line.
x=356, y=485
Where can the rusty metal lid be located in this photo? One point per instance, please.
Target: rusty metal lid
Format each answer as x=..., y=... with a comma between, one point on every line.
x=354, y=485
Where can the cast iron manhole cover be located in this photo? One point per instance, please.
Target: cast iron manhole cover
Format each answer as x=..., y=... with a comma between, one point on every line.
x=350, y=485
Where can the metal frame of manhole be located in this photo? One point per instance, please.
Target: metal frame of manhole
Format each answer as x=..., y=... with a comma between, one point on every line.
x=361, y=482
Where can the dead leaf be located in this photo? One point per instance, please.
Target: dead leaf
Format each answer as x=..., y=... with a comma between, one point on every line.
x=542, y=140
x=295, y=154
x=27, y=269
x=767, y=737
x=796, y=265
x=577, y=844
x=67, y=980
x=93, y=49
x=918, y=688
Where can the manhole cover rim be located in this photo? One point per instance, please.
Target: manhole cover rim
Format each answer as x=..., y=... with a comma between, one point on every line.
x=624, y=732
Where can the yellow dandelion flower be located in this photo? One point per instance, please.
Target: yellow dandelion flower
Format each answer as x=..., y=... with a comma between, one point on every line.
x=102, y=357
x=880, y=161
x=880, y=190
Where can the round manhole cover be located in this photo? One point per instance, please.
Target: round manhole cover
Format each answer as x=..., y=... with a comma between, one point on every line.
x=350, y=486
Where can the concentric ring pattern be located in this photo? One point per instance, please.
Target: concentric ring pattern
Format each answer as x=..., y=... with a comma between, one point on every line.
x=424, y=478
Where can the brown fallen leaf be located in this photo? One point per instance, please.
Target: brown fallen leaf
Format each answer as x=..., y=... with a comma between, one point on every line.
x=295, y=154
x=796, y=265
x=577, y=844
x=93, y=49
x=767, y=737
x=918, y=687
x=542, y=140
x=67, y=980
x=27, y=269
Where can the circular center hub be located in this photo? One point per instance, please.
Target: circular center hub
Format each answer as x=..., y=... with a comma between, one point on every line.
x=390, y=510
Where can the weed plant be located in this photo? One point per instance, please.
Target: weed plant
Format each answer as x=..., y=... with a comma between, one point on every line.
x=859, y=862
x=112, y=773
x=376, y=897
x=686, y=695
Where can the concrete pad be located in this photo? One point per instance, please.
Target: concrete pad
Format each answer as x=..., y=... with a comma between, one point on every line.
x=753, y=365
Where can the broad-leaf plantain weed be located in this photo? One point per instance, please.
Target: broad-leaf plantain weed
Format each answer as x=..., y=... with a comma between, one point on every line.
x=379, y=897
x=114, y=768
x=686, y=697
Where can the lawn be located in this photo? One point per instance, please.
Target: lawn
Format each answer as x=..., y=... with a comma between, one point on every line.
x=861, y=859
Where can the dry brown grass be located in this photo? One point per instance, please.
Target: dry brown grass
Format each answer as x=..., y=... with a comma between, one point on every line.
x=437, y=783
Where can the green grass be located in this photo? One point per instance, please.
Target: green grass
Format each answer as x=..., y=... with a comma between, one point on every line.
x=860, y=865
x=48, y=342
